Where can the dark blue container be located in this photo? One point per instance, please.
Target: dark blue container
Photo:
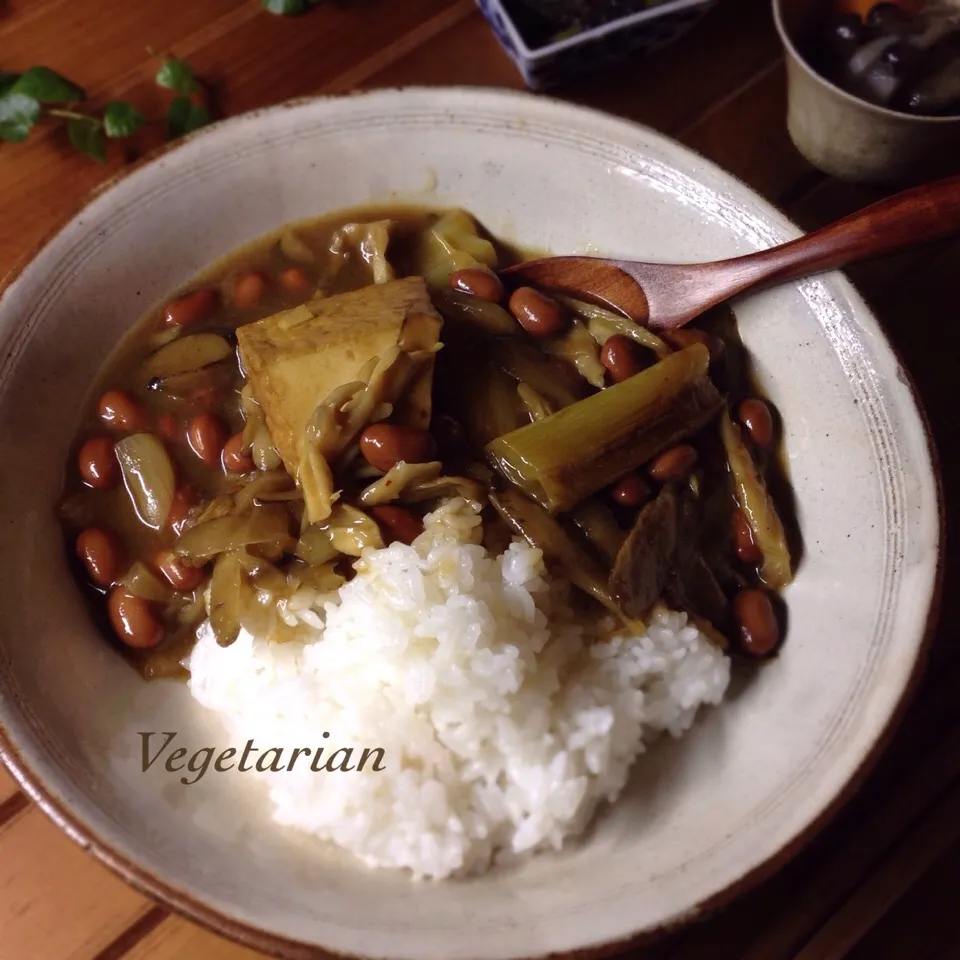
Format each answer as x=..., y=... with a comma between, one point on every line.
x=593, y=49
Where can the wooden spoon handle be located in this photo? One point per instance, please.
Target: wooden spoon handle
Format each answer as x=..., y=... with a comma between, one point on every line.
x=922, y=213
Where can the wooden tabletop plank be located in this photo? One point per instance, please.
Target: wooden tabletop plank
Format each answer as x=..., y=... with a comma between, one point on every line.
x=925, y=923
x=267, y=59
x=747, y=137
x=465, y=54
x=915, y=853
x=94, y=44
x=8, y=786
x=176, y=939
x=672, y=88
x=271, y=59
x=721, y=89
x=729, y=46
x=778, y=918
x=56, y=901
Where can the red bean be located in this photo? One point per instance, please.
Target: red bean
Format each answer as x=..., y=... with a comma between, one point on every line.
x=743, y=542
x=631, y=491
x=537, y=313
x=191, y=307
x=687, y=336
x=180, y=509
x=622, y=357
x=119, y=411
x=235, y=458
x=206, y=435
x=132, y=620
x=757, y=620
x=295, y=280
x=673, y=464
x=386, y=444
x=169, y=427
x=100, y=555
x=755, y=415
x=97, y=463
x=248, y=287
x=478, y=283
x=397, y=523
x=179, y=575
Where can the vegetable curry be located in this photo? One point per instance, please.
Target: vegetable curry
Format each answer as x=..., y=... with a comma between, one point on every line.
x=318, y=391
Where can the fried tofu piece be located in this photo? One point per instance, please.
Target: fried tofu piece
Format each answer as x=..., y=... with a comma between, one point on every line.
x=295, y=359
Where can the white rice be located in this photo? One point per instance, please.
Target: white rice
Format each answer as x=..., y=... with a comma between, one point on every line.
x=504, y=722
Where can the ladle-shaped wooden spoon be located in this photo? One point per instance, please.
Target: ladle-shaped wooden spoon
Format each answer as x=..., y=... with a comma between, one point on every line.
x=668, y=295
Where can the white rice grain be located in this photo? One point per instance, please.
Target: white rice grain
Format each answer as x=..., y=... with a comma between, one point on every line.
x=504, y=722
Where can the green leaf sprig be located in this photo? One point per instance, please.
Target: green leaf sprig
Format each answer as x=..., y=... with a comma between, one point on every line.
x=184, y=115
x=26, y=97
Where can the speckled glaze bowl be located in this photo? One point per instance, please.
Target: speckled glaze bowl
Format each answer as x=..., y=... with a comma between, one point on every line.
x=703, y=818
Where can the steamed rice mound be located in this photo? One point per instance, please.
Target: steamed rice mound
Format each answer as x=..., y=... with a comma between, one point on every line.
x=503, y=720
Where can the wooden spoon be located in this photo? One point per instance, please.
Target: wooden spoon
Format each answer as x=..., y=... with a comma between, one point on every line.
x=665, y=296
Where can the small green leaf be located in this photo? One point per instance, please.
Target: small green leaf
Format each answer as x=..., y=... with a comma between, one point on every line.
x=176, y=75
x=7, y=80
x=199, y=117
x=18, y=113
x=284, y=8
x=47, y=86
x=120, y=119
x=85, y=134
x=185, y=116
x=177, y=115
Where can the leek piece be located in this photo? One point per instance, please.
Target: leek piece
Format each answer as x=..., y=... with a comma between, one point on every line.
x=602, y=324
x=484, y=315
x=597, y=523
x=315, y=546
x=541, y=530
x=194, y=352
x=537, y=406
x=260, y=526
x=141, y=581
x=450, y=244
x=552, y=378
x=757, y=505
x=579, y=349
x=148, y=476
x=351, y=530
x=226, y=586
x=566, y=457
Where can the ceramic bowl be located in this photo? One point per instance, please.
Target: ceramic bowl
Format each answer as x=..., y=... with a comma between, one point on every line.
x=705, y=817
x=594, y=49
x=848, y=137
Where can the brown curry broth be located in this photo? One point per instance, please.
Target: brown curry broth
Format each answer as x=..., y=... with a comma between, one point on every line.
x=111, y=509
x=465, y=360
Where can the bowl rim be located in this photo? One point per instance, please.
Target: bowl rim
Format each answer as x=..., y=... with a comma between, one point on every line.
x=850, y=99
x=186, y=905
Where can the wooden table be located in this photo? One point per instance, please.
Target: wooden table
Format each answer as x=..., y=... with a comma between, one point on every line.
x=882, y=881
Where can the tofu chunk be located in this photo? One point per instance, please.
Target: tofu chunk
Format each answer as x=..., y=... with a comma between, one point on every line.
x=295, y=359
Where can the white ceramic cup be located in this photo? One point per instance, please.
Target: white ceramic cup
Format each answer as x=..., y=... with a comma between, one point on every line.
x=850, y=138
